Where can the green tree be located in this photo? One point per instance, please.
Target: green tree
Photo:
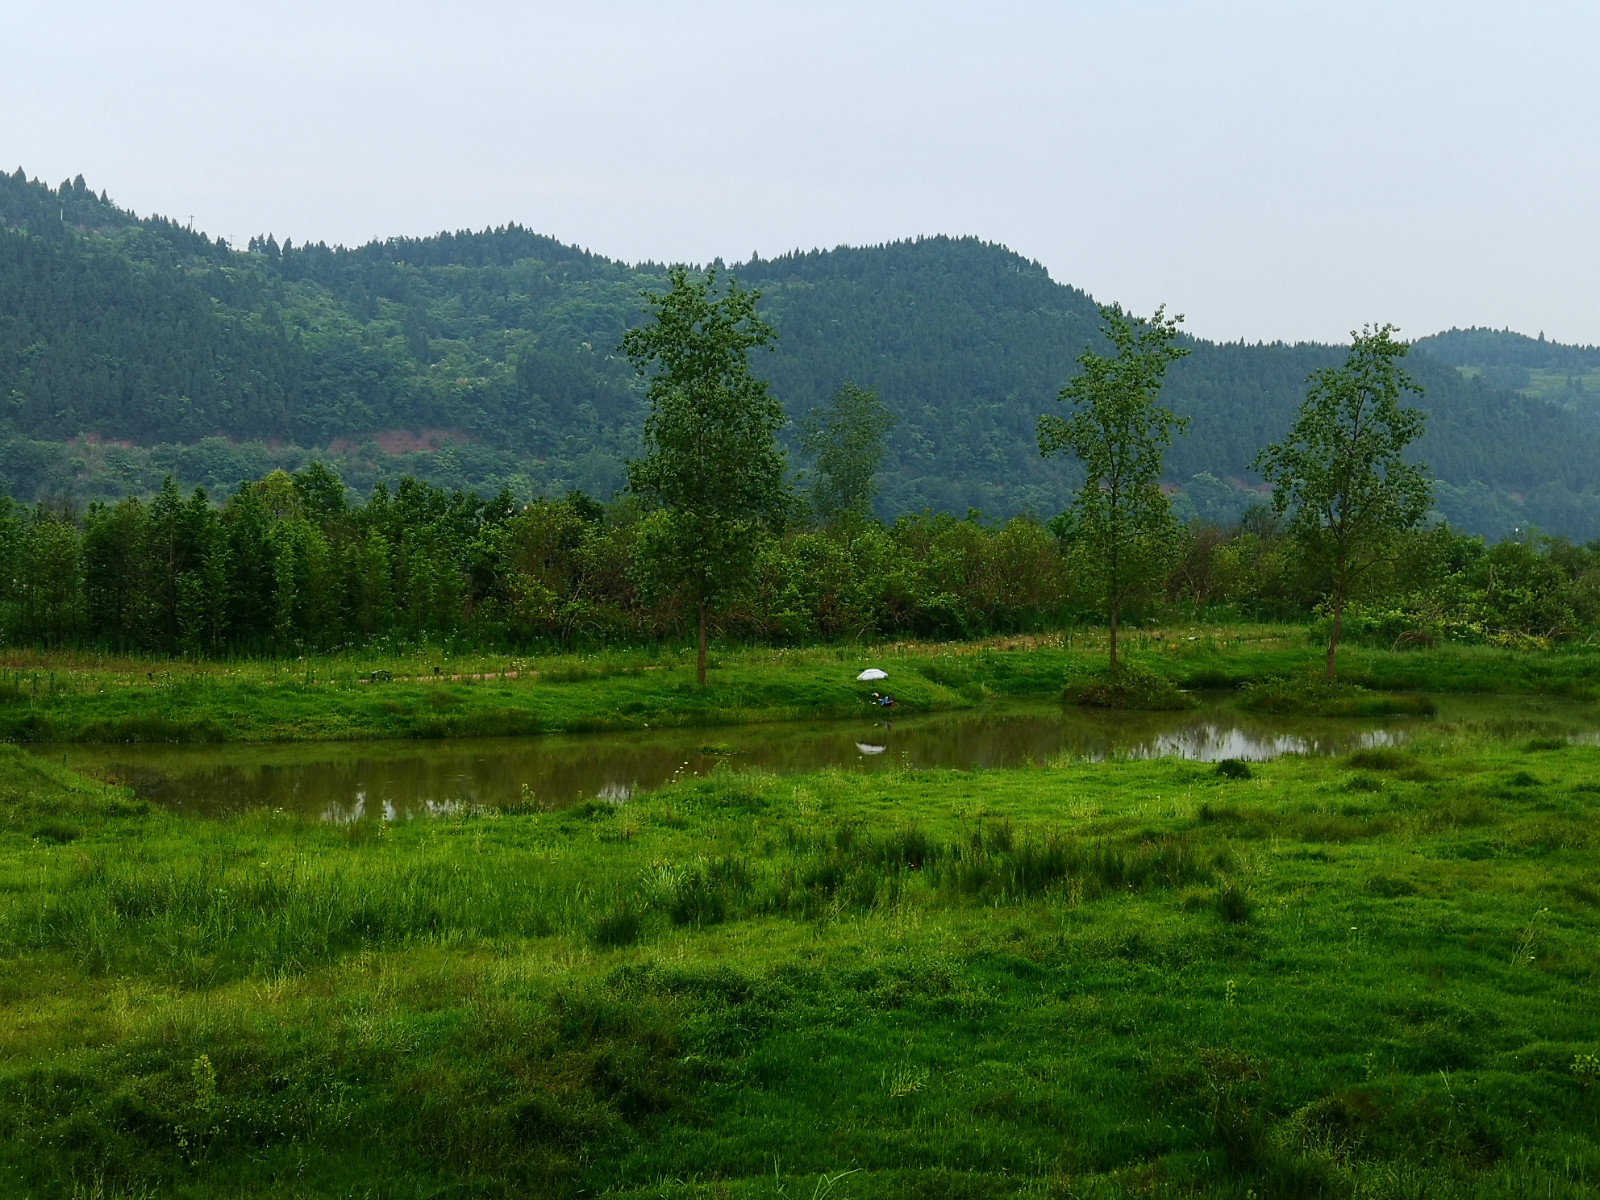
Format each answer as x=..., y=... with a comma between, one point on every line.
x=712, y=472
x=252, y=568
x=321, y=491
x=554, y=552
x=845, y=439
x=113, y=538
x=1121, y=524
x=373, y=593
x=1341, y=473
x=48, y=575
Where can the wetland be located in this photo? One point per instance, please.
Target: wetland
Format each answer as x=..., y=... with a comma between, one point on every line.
x=398, y=780
x=997, y=946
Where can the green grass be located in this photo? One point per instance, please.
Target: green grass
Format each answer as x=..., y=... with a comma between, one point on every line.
x=80, y=697
x=1372, y=976
x=1312, y=696
x=1553, y=384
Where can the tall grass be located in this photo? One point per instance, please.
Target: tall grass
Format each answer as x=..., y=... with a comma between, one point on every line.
x=1364, y=976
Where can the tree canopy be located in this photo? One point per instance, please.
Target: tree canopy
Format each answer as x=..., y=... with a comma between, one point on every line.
x=1342, y=475
x=711, y=473
x=1121, y=523
x=845, y=439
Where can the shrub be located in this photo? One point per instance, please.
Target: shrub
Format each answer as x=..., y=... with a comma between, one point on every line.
x=1128, y=687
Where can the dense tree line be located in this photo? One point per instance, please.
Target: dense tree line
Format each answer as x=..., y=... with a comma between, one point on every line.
x=1480, y=347
x=210, y=359
x=287, y=565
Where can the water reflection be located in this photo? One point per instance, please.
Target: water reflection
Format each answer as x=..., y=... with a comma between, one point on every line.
x=368, y=780
x=1212, y=742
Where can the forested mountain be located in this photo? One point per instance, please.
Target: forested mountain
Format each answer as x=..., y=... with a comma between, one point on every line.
x=1565, y=375
x=1502, y=348
x=131, y=348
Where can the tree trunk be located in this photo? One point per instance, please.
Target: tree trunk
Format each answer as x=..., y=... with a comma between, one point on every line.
x=702, y=661
x=1338, y=616
x=1113, y=635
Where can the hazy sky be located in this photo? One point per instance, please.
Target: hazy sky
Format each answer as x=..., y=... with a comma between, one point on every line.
x=1283, y=170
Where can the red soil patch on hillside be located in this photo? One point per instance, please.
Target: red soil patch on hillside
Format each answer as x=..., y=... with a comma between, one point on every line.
x=400, y=441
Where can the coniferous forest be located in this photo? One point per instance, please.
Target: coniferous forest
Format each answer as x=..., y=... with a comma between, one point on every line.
x=131, y=349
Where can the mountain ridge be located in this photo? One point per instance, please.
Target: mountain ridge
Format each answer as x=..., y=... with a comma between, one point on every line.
x=211, y=360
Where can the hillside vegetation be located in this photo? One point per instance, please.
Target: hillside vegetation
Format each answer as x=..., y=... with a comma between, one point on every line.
x=131, y=348
x=1565, y=375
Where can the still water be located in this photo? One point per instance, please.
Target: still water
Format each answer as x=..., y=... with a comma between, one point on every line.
x=349, y=781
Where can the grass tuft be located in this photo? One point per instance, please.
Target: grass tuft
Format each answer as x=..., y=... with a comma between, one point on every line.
x=622, y=925
x=1234, y=768
x=1379, y=759
x=1234, y=903
x=1534, y=745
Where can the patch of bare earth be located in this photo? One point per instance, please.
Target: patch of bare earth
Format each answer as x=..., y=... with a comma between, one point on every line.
x=400, y=441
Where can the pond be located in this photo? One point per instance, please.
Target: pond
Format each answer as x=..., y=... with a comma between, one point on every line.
x=347, y=781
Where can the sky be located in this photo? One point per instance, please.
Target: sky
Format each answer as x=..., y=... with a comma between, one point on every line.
x=1273, y=171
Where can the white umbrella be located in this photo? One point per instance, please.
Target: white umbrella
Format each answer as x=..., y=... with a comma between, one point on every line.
x=870, y=674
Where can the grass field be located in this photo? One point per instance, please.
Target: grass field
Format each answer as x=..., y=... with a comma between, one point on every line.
x=1371, y=976
x=83, y=697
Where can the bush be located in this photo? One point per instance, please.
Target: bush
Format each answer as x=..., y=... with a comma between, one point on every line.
x=1127, y=686
x=1234, y=768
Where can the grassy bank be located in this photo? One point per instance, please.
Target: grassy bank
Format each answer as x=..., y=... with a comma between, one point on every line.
x=75, y=697
x=1368, y=976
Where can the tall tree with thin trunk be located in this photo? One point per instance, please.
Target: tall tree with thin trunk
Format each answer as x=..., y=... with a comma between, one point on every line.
x=1121, y=523
x=711, y=473
x=845, y=437
x=1341, y=473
